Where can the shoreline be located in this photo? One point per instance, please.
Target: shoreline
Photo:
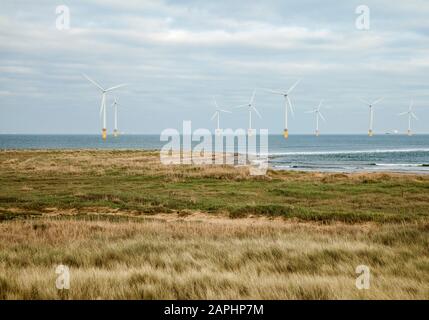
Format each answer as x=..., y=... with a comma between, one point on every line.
x=356, y=171
x=366, y=169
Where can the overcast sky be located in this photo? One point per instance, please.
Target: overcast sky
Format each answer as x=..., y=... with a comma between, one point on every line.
x=176, y=55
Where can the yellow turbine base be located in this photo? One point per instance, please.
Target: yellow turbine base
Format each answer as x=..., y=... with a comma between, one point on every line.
x=104, y=134
x=370, y=133
x=286, y=133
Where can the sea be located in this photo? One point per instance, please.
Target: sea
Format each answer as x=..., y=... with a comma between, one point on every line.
x=332, y=153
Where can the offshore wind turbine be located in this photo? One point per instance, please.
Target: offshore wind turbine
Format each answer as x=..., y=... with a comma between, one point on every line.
x=115, y=105
x=410, y=114
x=217, y=114
x=103, y=102
x=288, y=105
x=251, y=107
x=318, y=114
x=371, y=114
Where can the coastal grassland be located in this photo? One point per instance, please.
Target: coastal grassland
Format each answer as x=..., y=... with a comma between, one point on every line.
x=129, y=227
x=36, y=182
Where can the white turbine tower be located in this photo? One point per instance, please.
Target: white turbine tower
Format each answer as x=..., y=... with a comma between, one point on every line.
x=115, y=105
x=217, y=114
x=371, y=114
x=250, y=107
x=318, y=114
x=410, y=114
x=103, y=102
x=288, y=105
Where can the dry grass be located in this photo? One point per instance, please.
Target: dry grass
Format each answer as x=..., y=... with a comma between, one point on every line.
x=204, y=257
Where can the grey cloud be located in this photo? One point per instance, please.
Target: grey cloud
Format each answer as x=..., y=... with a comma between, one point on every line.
x=177, y=54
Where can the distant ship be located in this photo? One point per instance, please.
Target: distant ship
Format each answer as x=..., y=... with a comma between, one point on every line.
x=392, y=132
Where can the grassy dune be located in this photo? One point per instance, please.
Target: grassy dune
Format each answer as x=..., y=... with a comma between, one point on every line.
x=129, y=227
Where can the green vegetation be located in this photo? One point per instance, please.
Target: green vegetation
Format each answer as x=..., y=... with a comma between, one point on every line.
x=33, y=182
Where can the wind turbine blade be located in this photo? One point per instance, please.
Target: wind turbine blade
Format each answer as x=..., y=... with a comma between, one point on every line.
x=290, y=106
x=275, y=91
x=116, y=87
x=214, y=115
x=257, y=112
x=293, y=86
x=364, y=101
x=402, y=113
x=310, y=111
x=241, y=106
x=377, y=101
x=253, y=97
x=92, y=81
x=226, y=111
x=320, y=104
x=323, y=118
x=414, y=116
